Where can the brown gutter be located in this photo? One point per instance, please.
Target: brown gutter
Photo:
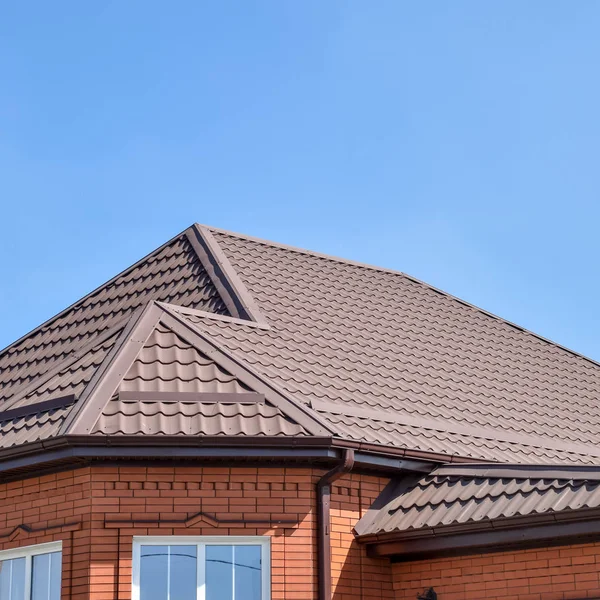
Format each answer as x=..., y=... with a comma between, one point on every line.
x=523, y=531
x=324, y=523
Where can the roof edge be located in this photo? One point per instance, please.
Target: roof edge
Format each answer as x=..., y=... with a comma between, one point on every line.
x=69, y=451
x=494, y=535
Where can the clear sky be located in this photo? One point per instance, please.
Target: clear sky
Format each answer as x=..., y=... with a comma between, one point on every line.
x=456, y=141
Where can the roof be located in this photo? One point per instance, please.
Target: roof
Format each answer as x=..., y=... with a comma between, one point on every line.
x=452, y=496
x=336, y=349
x=387, y=359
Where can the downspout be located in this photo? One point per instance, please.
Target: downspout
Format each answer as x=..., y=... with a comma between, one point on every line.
x=324, y=522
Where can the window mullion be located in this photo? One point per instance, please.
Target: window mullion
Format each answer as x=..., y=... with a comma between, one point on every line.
x=28, y=576
x=49, y=574
x=201, y=572
x=168, y=572
x=232, y=572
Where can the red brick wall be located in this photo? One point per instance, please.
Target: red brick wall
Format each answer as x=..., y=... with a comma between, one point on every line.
x=72, y=507
x=97, y=559
x=175, y=493
x=53, y=502
x=354, y=576
x=571, y=572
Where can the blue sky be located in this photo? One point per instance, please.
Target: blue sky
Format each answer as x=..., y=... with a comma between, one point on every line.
x=455, y=141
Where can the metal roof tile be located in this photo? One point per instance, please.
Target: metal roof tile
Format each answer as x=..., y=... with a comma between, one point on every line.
x=436, y=501
x=354, y=334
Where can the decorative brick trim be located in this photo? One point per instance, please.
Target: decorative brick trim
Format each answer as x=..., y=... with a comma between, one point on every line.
x=25, y=530
x=196, y=519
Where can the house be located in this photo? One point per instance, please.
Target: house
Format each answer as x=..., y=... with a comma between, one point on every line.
x=233, y=419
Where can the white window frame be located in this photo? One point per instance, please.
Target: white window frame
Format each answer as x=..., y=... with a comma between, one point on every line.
x=201, y=542
x=28, y=552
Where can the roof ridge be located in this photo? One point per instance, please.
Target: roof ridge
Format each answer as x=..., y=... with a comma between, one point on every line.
x=92, y=293
x=519, y=471
x=214, y=316
x=368, y=266
x=234, y=293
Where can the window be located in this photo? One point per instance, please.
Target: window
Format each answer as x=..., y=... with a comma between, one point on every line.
x=31, y=573
x=201, y=568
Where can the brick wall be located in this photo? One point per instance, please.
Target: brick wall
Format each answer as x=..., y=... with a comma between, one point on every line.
x=569, y=572
x=80, y=507
x=175, y=493
x=73, y=507
x=56, y=507
x=354, y=576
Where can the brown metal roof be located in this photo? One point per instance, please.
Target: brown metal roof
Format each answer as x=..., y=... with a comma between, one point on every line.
x=448, y=498
x=351, y=334
x=167, y=363
x=130, y=417
x=335, y=347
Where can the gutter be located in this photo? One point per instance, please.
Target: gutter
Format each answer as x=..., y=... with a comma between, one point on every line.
x=74, y=450
x=523, y=531
x=324, y=523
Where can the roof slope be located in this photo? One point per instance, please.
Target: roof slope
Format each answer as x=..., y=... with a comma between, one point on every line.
x=172, y=273
x=452, y=496
x=432, y=371
x=40, y=423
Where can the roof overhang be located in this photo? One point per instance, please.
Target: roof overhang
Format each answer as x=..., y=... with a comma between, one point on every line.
x=73, y=451
x=551, y=529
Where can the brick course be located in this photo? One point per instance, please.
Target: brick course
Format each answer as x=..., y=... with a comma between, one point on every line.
x=560, y=573
x=97, y=559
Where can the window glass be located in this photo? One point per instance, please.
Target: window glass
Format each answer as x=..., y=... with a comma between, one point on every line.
x=182, y=580
x=45, y=582
x=12, y=579
x=219, y=572
x=211, y=568
x=168, y=572
x=247, y=572
x=154, y=573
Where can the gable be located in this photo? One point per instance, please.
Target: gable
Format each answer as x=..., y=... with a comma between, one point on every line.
x=167, y=363
x=172, y=388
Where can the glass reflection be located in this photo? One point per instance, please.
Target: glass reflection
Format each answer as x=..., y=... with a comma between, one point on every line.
x=233, y=569
x=12, y=579
x=168, y=573
x=45, y=579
